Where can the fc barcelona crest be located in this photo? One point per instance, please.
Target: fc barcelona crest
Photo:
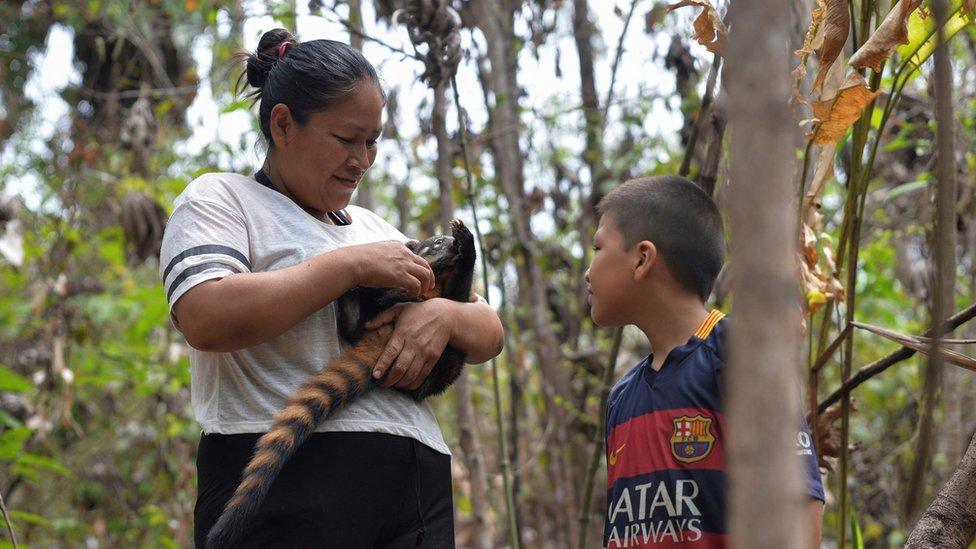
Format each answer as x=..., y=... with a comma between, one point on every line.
x=692, y=439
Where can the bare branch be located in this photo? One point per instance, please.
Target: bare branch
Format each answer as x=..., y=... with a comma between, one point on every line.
x=882, y=364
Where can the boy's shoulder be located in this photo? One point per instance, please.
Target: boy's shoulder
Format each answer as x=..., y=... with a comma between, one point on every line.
x=716, y=342
x=704, y=355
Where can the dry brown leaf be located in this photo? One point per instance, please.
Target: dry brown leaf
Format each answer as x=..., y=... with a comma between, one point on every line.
x=889, y=34
x=836, y=115
x=799, y=75
x=810, y=44
x=829, y=439
x=822, y=173
x=920, y=344
x=969, y=5
x=814, y=35
x=710, y=31
x=836, y=26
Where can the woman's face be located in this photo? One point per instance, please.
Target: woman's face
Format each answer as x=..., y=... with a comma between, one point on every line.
x=321, y=162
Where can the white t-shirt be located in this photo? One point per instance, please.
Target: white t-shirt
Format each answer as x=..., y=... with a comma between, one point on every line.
x=226, y=223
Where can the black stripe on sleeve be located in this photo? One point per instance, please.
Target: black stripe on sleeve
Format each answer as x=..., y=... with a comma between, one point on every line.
x=190, y=271
x=206, y=249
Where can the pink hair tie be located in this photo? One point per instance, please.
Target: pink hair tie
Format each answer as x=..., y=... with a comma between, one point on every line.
x=281, y=49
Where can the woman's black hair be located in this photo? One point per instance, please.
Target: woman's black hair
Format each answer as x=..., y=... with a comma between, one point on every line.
x=307, y=77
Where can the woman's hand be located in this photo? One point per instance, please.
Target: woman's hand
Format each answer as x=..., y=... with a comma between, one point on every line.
x=390, y=264
x=422, y=331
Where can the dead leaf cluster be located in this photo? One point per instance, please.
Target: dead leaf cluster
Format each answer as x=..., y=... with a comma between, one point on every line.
x=829, y=438
x=710, y=30
x=143, y=221
x=436, y=25
x=889, y=34
x=818, y=269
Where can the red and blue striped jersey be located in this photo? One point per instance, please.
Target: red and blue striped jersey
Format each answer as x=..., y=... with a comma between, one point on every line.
x=665, y=455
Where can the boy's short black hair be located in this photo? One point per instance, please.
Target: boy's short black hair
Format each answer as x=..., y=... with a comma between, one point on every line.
x=679, y=218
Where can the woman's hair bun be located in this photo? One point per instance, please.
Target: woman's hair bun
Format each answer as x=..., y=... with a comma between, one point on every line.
x=260, y=63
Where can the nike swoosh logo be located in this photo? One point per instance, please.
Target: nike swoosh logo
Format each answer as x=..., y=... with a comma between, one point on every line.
x=613, y=455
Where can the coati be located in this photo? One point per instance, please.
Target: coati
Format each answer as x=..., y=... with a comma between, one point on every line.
x=349, y=374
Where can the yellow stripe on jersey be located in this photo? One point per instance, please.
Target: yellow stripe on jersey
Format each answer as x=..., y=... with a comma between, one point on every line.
x=710, y=321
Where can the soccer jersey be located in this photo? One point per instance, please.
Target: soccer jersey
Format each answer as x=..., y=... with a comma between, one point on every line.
x=665, y=449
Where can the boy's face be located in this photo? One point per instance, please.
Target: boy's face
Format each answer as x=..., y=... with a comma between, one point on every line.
x=610, y=278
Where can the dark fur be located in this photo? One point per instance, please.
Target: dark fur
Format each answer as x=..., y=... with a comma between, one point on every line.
x=349, y=375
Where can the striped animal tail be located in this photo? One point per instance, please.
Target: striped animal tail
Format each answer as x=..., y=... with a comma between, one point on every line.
x=343, y=379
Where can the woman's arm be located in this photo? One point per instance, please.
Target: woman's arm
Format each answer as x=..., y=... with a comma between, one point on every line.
x=243, y=310
x=422, y=331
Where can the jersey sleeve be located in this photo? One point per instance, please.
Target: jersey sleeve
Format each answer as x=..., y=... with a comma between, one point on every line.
x=803, y=440
x=204, y=240
x=811, y=469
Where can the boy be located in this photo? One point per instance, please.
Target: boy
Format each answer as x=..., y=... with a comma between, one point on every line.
x=657, y=251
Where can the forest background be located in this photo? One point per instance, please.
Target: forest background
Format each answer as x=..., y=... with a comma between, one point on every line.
x=109, y=108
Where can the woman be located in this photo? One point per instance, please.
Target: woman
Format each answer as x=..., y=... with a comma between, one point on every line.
x=251, y=267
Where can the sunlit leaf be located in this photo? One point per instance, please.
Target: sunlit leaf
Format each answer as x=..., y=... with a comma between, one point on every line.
x=857, y=538
x=12, y=382
x=12, y=442
x=921, y=41
x=889, y=34
x=710, y=31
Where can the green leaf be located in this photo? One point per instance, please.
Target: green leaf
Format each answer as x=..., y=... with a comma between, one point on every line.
x=29, y=518
x=857, y=540
x=236, y=105
x=12, y=442
x=35, y=461
x=8, y=420
x=905, y=188
x=12, y=382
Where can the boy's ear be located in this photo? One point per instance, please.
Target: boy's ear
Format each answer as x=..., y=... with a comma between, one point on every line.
x=646, y=257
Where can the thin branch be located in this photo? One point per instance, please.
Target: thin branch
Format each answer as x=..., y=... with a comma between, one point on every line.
x=149, y=92
x=882, y=364
x=616, y=61
x=353, y=30
x=702, y=112
x=829, y=351
x=6, y=518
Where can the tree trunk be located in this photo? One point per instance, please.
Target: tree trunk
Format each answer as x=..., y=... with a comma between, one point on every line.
x=364, y=194
x=950, y=522
x=944, y=242
x=761, y=384
x=583, y=31
x=496, y=20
